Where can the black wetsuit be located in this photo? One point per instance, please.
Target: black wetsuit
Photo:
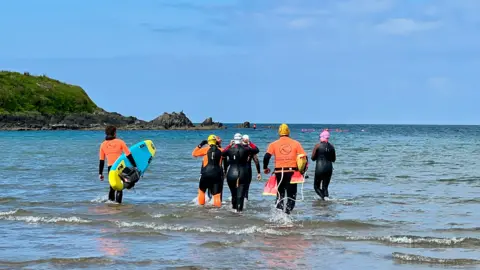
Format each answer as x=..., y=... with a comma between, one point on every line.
x=209, y=193
x=211, y=177
x=324, y=155
x=237, y=173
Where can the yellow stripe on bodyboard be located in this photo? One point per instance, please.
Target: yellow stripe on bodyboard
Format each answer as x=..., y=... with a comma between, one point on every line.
x=114, y=176
x=151, y=147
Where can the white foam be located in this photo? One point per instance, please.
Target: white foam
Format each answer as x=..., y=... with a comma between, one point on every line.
x=100, y=199
x=8, y=213
x=208, y=200
x=32, y=219
x=411, y=239
x=278, y=217
x=166, y=227
x=165, y=215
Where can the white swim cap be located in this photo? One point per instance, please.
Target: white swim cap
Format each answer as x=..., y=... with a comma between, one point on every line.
x=237, y=138
x=245, y=139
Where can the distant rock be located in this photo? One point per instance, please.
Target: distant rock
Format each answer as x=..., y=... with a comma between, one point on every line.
x=209, y=123
x=244, y=125
x=172, y=121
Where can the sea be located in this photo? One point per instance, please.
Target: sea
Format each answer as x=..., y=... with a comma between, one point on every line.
x=402, y=197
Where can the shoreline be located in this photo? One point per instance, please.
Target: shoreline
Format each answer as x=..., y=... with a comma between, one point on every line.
x=118, y=128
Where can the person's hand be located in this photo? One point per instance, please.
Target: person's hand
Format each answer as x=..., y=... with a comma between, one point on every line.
x=232, y=142
x=259, y=177
x=100, y=176
x=202, y=143
x=266, y=171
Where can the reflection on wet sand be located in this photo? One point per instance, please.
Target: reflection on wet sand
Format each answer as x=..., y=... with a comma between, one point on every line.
x=109, y=246
x=286, y=252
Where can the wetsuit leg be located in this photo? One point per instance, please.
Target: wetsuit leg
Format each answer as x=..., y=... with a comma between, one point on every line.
x=317, y=182
x=233, y=190
x=292, y=196
x=321, y=182
x=203, y=185
x=232, y=179
x=242, y=188
x=119, y=196
x=111, y=194
x=216, y=189
x=285, y=188
x=328, y=176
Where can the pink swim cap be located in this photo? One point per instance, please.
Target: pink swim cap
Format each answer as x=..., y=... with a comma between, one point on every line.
x=324, y=136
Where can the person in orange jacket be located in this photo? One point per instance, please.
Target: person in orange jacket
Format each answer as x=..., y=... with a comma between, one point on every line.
x=285, y=150
x=112, y=148
x=211, y=173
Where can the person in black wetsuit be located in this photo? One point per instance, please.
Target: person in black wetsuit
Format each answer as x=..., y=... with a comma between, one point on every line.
x=324, y=155
x=246, y=141
x=236, y=169
x=211, y=172
x=209, y=192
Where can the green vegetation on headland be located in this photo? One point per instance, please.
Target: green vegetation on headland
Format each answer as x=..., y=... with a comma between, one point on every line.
x=30, y=102
x=23, y=93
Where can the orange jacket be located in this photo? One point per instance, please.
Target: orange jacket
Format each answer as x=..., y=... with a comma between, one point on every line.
x=202, y=152
x=112, y=150
x=285, y=150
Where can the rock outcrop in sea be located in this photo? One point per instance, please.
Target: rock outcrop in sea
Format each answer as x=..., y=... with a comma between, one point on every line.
x=209, y=123
x=245, y=124
x=172, y=121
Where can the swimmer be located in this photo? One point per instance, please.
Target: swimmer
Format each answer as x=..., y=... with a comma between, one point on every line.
x=237, y=173
x=324, y=154
x=246, y=141
x=211, y=172
x=285, y=150
x=112, y=149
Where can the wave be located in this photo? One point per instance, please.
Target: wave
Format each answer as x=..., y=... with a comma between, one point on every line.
x=84, y=261
x=345, y=224
x=472, y=229
x=218, y=244
x=420, y=241
x=165, y=216
x=4, y=200
x=411, y=258
x=12, y=216
x=231, y=231
x=62, y=261
x=467, y=179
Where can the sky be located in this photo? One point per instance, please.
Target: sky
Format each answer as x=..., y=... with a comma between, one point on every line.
x=264, y=61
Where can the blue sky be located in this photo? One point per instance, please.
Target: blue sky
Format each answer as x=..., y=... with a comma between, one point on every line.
x=364, y=61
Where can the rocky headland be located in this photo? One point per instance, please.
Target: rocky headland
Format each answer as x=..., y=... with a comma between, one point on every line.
x=30, y=102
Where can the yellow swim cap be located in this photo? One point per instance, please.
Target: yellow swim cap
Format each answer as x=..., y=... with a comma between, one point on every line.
x=212, y=140
x=283, y=130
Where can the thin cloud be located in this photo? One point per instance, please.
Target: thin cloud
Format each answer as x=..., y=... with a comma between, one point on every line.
x=301, y=23
x=404, y=26
x=366, y=6
x=297, y=11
